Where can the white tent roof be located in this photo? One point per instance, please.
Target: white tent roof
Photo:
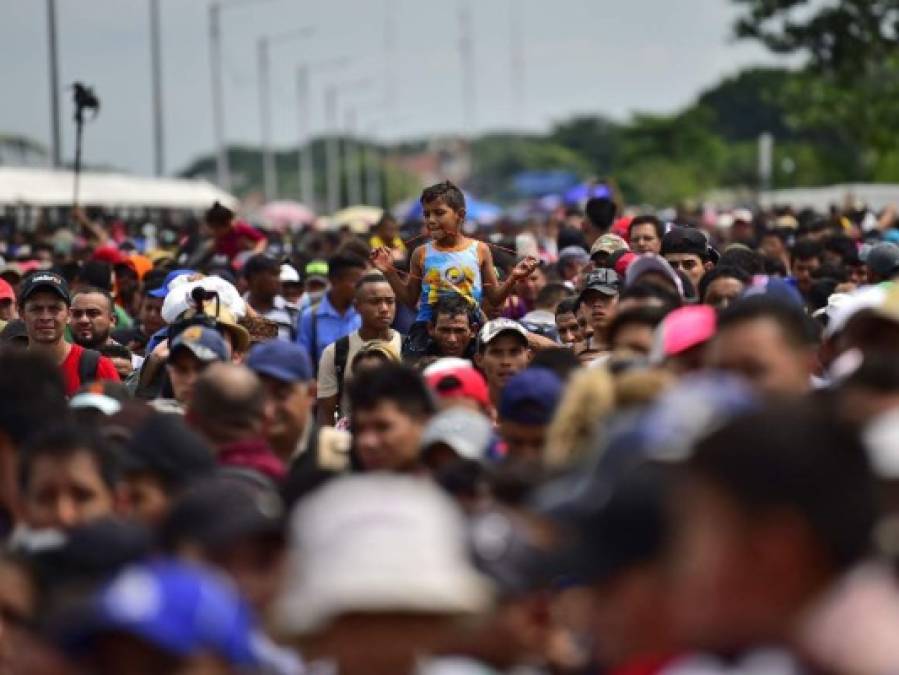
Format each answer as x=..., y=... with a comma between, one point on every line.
x=874, y=195
x=44, y=187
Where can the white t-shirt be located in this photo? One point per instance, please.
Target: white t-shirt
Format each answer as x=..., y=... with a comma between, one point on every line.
x=327, y=371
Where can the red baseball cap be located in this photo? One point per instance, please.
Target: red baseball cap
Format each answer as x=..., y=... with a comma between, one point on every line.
x=457, y=378
x=6, y=291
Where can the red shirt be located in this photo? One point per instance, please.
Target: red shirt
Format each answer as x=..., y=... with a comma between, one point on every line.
x=234, y=240
x=105, y=370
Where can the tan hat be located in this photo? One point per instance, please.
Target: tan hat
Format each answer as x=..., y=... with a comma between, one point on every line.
x=240, y=337
x=373, y=543
x=608, y=244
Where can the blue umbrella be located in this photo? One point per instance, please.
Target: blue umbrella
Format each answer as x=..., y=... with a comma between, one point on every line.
x=584, y=191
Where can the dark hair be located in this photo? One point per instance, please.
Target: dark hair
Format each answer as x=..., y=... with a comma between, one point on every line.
x=67, y=440
x=643, y=316
x=722, y=272
x=775, y=267
x=392, y=382
x=751, y=262
x=115, y=351
x=260, y=263
x=559, y=360
x=600, y=213
x=340, y=263
x=829, y=271
x=552, y=294
x=33, y=394
x=92, y=290
x=453, y=304
x=567, y=306
x=878, y=372
x=219, y=214
x=647, y=220
x=643, y=291
x=96, y=273
x=806, y=250
x=842, y=246
x=798, y=457
x=371, y=278
x=789, y=318
x=446, y=192
x=354, y=247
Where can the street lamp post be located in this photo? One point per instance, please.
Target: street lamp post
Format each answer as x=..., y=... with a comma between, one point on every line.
x=156, y=66
x=269, y=166
x=54, y=84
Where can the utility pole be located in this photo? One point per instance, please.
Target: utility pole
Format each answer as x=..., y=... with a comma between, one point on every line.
x=373, y=167
x=269, y=165
x=304, y=143
x=218, y=106
x=56, y=145
x=269, y=181
x=352, y=156
x=332, y=151
x=156, y=66
x=466, y=56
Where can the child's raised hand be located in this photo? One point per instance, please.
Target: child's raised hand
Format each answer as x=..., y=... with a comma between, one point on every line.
x=524, y=269
x=381, y=259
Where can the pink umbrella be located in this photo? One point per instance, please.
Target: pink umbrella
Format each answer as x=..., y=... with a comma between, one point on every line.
x=287, y=215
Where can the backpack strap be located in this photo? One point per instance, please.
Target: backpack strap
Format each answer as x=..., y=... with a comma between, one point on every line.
x=341, y=353
x=314, y=342
x=87, y=366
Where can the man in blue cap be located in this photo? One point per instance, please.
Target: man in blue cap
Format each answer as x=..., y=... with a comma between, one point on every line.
x=192, y=350
x=289, y=382
x=527, y=407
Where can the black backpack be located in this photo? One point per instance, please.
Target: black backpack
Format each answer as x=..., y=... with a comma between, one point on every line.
x=87, y=366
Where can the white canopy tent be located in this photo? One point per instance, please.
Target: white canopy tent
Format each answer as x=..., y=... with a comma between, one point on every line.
x=23, y=186
x=874, y=195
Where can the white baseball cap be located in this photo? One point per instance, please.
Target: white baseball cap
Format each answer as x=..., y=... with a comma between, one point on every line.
x=289, y=274
x=376, y=543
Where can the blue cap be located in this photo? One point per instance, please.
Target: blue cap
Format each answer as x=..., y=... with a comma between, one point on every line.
x=163, y=290
x=531, y=397
x=177, y=607
x=774, y=288
x=285, y=361
x=204, y=343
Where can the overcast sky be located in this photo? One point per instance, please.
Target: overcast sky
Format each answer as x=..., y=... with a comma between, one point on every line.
x=577, y=56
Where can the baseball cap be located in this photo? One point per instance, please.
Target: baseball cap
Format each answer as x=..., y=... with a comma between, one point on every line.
x=608, y=243
x=316, y=270
x=457, y=378
x=466, y=432
x=774, y=288
x=376, y=543
x=616, y=524
x=166, y=447
x=493, y=329
x=650, y=262
x=222, y=510
x=683, y=329
x=163, y=290
x=685, y=240
x=285, y=361
x=177, y=607
x=883, y=259
x=204, y=343
x=603, y=280
x=44, y=281
x=6, y=291
x=578, y=253
x=289, y=274
x=531, y=397
x=14, y=331
x=260, y=263
x=620, y=261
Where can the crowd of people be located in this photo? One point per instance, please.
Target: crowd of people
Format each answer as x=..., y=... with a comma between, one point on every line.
x=599, y=443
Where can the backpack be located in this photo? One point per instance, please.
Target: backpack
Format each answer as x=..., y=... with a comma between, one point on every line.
x=341, y=352
x=87, y=366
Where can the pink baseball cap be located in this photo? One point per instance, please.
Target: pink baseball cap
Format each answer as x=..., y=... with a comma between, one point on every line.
x=683, y=329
